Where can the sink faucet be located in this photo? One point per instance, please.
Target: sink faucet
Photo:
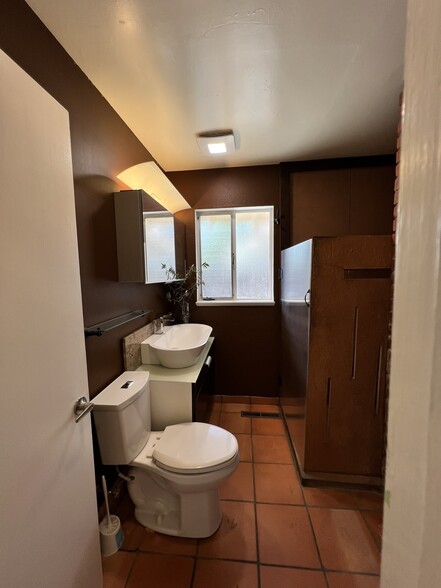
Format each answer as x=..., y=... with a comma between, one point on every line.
x=163, y=321
x=158, y=325
x=167, y=319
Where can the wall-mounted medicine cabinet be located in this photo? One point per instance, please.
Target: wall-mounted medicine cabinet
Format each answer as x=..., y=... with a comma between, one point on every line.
x=147, y=236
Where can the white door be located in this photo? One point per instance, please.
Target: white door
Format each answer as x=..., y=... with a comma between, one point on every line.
x=48, y=518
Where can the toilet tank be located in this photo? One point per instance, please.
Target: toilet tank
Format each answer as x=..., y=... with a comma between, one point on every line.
x=122, y=417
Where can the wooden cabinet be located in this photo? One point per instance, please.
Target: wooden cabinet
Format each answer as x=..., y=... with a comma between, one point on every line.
x=345, y=201
x=147, y=235
x=335, y=352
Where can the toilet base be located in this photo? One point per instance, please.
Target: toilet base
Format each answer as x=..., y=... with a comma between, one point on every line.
x=187, y=514
x=200, y=516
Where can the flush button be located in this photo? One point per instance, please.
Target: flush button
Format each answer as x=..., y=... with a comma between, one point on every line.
x=127, y=384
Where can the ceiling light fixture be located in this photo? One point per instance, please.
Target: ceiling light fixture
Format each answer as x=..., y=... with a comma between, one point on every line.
x=216, y=142
x=149, y=177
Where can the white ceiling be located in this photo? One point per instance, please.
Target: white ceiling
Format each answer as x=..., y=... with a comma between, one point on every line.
x=294, y=79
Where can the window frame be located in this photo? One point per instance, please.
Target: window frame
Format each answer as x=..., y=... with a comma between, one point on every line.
x=233, y=211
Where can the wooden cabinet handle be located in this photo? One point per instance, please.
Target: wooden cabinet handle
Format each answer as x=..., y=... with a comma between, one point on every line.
x=377, y=387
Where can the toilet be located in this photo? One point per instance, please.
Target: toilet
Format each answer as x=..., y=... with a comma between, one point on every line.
x=175, y=474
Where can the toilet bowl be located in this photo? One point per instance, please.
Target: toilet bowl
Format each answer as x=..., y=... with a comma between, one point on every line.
x=175, y=474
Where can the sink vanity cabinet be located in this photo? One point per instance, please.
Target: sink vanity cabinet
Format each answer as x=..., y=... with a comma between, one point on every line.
x=181, y=395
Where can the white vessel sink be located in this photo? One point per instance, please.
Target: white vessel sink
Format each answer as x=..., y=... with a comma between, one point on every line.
x=179, y=346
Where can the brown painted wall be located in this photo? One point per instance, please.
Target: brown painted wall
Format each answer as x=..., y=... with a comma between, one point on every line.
x=247, y=338
x=102, y=146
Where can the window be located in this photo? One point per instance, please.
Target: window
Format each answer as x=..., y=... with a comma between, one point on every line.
x=237, y=245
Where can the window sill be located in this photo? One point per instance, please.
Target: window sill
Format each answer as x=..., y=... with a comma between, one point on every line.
x=235, y=303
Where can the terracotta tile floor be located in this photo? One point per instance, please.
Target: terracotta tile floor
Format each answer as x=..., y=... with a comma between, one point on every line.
x=274, y=532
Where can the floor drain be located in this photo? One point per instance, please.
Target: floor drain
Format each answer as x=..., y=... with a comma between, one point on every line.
x=259, y=415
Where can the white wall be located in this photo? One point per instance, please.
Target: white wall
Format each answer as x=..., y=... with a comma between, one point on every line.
x=412, y=525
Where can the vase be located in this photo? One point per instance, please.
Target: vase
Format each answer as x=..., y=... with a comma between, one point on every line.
x=185, y=312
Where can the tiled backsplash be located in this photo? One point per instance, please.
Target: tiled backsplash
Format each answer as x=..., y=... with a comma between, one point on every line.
x=132, y=346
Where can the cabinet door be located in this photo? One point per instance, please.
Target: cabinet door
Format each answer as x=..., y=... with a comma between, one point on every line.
x=202, y=389
x=350, y=309
x=148, y=237
x=348, y=201
x=129, y=235
x=372, y=190
x=320, y=202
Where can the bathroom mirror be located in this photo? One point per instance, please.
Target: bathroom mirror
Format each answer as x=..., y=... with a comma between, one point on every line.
x=147, y=236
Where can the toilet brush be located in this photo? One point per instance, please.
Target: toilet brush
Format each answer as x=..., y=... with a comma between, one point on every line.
x=111, y=533
x=106, y=500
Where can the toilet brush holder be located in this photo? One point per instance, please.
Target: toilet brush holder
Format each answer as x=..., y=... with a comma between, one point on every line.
x=111, y=536
x=111, y=533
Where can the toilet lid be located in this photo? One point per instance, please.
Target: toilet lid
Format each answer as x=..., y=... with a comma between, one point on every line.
x=194, y=446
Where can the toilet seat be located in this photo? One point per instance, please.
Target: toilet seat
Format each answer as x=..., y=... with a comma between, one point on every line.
x=207, y=470
x=192, y=448
x=189, y=448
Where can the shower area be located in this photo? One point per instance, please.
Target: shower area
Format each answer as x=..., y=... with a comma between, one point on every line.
x=335, y=312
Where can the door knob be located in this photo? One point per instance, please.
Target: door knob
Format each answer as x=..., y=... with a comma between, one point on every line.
x=82, y=407
x=307, y=301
